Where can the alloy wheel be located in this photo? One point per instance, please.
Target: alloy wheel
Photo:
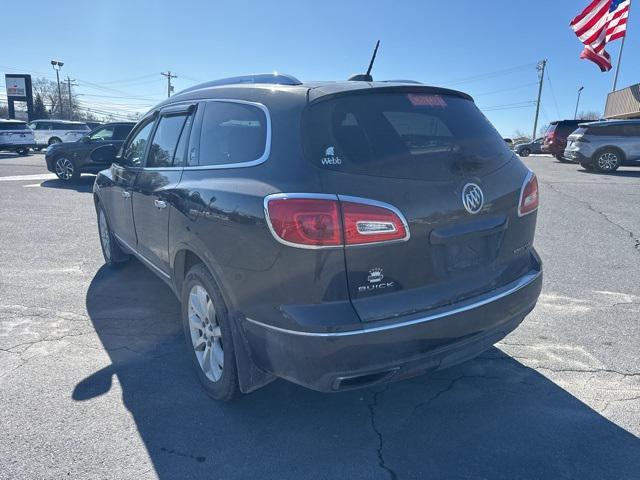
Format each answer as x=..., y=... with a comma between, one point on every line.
x=105, y=236
x=608, y=161
x=206, y=335
x=64, y=168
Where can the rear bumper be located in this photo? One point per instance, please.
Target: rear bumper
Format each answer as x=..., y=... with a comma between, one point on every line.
x=406, y=347
x=576, y=157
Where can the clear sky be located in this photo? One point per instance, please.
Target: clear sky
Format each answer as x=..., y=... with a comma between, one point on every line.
x=117, y=49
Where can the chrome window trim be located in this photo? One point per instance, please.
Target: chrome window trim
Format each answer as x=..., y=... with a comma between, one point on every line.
x=252, y=163
x=527, y=179
x=144, y=259
x=510, y=289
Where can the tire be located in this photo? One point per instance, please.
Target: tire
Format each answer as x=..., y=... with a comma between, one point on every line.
x=607, y=160
x=205, y=319
x=54, y=140
x=65, y=169
x=525, y=152
x=23, y=152
x=587, y=166
x=111, y=251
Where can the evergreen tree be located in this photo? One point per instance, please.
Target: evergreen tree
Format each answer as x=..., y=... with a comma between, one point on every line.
x=39, y=111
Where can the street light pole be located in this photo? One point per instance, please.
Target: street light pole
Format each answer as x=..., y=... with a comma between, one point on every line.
x=57, y=65
x=575, y=115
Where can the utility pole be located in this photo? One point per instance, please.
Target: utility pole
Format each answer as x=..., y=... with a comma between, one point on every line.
x=542, y=64
x=69, y=85
x=169, y=76
x=57, y=65
x=575, y=115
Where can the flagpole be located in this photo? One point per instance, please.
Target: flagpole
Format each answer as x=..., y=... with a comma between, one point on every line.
x=615, y=78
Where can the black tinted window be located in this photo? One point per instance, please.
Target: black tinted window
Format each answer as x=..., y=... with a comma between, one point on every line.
x=43, y=126
x=135, y=149
x=606, y=131
x=121, y=132
x=232, y=133
x=165, y=141
x=631, y=130
x=402, y=135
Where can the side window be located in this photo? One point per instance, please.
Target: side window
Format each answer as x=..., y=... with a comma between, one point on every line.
x=179, y=158
x=232, y=133
x=165, y=141
x=632, y=130
x=134, y=150
x=105, y=133
x=121, y=132
x=43, y=126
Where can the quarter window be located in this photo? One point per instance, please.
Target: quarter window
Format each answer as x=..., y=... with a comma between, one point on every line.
x=165, y=141
x=232, y=133
x=134, y=151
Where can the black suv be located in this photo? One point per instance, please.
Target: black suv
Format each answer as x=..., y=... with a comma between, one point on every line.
x=69, y=159
x=336, y=235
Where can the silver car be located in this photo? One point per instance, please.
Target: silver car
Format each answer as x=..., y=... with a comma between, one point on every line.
x=605, y=146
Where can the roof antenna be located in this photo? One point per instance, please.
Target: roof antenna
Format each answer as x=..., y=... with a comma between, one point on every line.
x=366, y=77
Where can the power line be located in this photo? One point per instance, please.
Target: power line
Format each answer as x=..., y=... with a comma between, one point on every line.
x=553, y=95
x=483, y=76
x=506, y=89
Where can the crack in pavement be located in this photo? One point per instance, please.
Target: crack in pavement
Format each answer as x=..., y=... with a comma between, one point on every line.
x=372, y=415
x=630, y=233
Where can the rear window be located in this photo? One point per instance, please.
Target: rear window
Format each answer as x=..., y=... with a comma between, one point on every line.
x=402, y=135
x=13, y=126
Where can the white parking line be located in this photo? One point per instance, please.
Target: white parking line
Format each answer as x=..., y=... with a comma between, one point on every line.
x=27, y=178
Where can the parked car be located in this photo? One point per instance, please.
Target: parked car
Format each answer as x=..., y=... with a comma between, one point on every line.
x=94, y=125
x=528, y=148
x=48, y=132
x=555, y=139
x=69, y=160
x=334, y=234
x=15, y=136
x=605, y=146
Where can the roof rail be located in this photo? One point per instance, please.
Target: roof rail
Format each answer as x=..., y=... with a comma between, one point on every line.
x=273, y=78
x=412, y=82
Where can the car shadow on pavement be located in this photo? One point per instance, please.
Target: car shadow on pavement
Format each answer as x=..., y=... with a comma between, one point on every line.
x=635, y=173
x=83, y=185
x=488, y=418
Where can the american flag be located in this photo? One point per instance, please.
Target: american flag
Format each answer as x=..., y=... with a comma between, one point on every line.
x=601, y=22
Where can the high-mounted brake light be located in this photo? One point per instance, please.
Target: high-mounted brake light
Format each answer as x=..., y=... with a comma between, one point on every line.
x=529, y=198
x=326, y=221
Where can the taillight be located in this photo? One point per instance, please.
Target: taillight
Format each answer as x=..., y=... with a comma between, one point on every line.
x=304, y=221
x=325, y=221
x=529, y=198
x=371, y=223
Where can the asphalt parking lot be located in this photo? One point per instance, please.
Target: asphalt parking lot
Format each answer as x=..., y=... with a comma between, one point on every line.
x=95, y=381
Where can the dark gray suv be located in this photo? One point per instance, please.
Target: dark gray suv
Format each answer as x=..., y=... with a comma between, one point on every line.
x=336, y=234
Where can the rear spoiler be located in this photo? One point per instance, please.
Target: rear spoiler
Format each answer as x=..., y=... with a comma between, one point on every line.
x=321, y=94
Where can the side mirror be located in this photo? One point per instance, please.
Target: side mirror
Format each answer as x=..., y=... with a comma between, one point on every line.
x=105, y=154
x=85, y=139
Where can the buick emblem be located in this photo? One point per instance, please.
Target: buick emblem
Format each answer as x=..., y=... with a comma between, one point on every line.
x=472, y=198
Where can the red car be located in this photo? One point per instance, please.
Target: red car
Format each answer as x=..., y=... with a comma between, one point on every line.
x=555, y=139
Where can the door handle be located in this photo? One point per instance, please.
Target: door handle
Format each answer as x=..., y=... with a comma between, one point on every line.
x=160, y=204
x=126, y=194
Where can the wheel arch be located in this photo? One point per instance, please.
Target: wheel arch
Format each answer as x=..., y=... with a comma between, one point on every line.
x=623, y=157
x=250, y=376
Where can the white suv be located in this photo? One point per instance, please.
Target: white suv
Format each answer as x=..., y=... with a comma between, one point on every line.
x=15, y=136
x=48, y=132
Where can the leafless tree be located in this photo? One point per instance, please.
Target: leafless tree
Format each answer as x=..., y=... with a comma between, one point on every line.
x=589, y=115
